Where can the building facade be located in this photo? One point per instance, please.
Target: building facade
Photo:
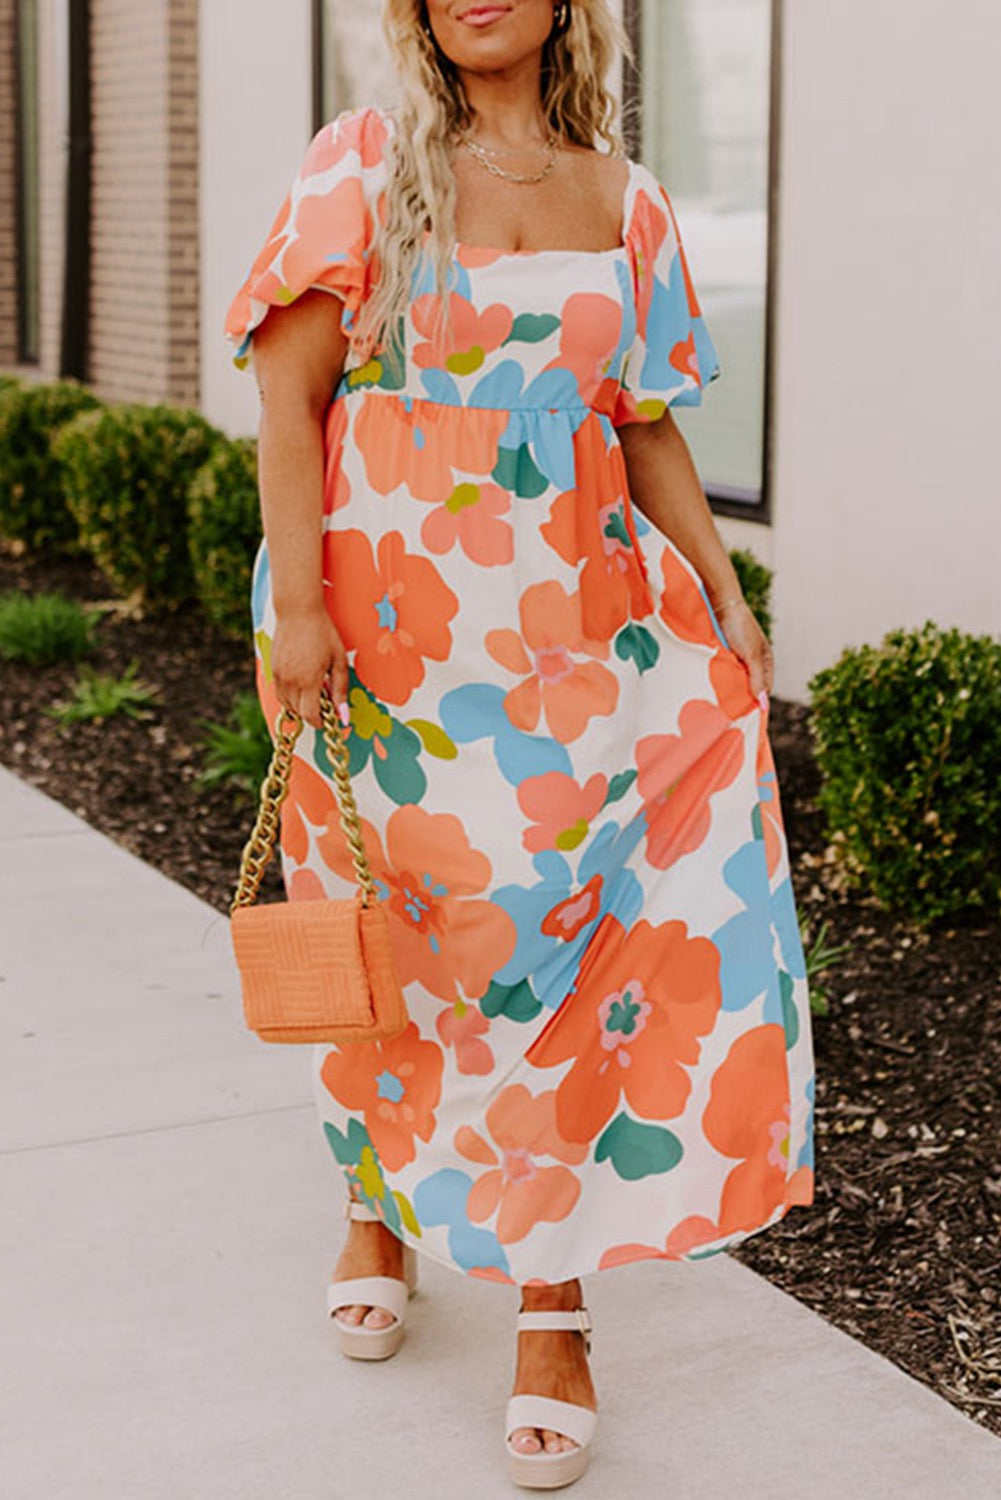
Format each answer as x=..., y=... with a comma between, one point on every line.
x=834, y=168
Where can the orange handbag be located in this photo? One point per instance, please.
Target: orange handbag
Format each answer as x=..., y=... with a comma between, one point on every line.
x=313, y=971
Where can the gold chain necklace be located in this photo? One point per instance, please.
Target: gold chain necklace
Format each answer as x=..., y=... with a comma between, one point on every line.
x=484, y=156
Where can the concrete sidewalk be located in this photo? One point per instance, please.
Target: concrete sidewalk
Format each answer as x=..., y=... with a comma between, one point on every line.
x=169, y=1216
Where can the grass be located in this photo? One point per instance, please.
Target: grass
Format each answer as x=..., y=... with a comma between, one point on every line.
x=101, y=695
x=44, y=629
x=819, y=956
x=238, y=751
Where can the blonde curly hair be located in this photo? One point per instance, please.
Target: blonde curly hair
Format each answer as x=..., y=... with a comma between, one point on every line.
x=420, y=195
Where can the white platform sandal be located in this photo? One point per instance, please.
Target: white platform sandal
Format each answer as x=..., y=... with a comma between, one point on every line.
x=372, y=1291
x=550, y=1471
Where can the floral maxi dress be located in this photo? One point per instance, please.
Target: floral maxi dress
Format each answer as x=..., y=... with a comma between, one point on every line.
x=567, y=789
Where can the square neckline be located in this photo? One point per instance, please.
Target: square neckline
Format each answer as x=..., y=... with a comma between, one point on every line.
x=620, y=249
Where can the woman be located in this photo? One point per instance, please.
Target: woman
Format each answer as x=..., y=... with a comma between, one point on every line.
x=492, y=546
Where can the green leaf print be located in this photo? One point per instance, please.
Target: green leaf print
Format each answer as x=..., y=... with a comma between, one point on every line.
x=356, y=1152
x=516, y=471
x=637, y=1150
x=376, y=736
x=532, y=328
x=348, y=1148
x=517, y=1002
x=790, y=1015
x=619, y=786
x=635, y=643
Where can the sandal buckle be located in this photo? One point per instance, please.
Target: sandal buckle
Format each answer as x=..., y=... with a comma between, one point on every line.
x=584, y=1325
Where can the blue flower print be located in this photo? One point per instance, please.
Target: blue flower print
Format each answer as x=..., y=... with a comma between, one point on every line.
x=745, y=941
x=551, y=961
x=441, y=1200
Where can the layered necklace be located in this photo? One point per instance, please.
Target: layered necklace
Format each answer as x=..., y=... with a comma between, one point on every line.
x=488, y=159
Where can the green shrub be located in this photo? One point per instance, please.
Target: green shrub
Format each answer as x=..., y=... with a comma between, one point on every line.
x=129, y=469
x=238, y=752
x=42, y=629
x=756, y=585
x=9, y=383
x=908, y=741
x=224, y=530
x=101, y=695
x=33, y=507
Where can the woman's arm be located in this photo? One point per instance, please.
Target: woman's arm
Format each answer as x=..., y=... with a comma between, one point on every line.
x=664, y=485
x=299, y=355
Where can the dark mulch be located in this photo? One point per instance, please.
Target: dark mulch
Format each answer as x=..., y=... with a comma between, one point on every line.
x=902, y=1246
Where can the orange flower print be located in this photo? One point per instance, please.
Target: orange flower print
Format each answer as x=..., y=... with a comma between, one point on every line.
x=392, y=610
x=568, y=918
x=443, y=935
x=363, y=131
x=680, y=773
x=683, y=608
x=558, y=686
x=472, y=516
x=590, y=326
x=684, y=358
x=631, y=1027
x=593, y=525
x=561, y=811
x=321, y=219
x=772, y=829
x=648, y=230
x=462, y=346
x=420, y=444
x=336, y=484
x=748, y=1117
x=516, y=1185
x=732, y=684
x=463, y=1027
x=262, y=281
x=397, y=1086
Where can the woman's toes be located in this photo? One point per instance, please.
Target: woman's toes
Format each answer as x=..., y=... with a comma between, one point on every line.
x=555, y=1442
x=378, y=1317
x=526, y=1440
x=352, y=1316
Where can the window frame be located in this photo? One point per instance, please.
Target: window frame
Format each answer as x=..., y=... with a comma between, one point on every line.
x=729, y=500
x=27, y=255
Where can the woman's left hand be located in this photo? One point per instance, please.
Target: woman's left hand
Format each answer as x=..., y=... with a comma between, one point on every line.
x=747, y=639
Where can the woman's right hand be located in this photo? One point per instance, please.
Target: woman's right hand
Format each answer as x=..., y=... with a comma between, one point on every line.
x=306, y=654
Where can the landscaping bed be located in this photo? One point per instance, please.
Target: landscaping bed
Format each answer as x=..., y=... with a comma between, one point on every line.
x=901, y=1247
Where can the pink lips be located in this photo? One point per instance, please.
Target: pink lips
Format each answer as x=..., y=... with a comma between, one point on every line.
x=483, y=15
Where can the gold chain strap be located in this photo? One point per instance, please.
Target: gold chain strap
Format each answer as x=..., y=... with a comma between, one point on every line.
x=261, y=845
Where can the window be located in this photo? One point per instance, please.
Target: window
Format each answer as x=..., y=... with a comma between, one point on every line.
x=705, y=123
x=27, y=180
x=350, y=61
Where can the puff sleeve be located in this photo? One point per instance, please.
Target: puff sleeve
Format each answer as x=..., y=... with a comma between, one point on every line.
x=672, y=357
x=322, y=235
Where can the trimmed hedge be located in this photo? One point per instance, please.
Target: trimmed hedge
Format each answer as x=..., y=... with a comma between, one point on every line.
x=33, y=507
x=908, y=740
x=129, y=469
x=224, y=531
x=756, y=585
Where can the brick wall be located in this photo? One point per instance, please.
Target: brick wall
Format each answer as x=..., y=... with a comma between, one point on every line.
x=182, y=208
x=52, y=129
x=8, y=185
x=144, y=236
x=144, y=296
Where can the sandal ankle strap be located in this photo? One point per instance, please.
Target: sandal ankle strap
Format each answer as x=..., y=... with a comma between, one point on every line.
x=360, y=1213
x=576, y=1321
